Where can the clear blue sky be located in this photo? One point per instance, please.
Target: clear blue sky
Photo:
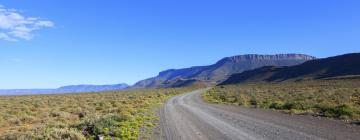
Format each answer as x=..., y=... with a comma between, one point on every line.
x=106, y=42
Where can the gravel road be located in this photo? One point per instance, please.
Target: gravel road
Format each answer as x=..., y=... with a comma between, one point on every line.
x=188, y=117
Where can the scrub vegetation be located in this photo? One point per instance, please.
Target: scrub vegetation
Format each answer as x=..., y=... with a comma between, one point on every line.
x=111, y=115
x=329, y=98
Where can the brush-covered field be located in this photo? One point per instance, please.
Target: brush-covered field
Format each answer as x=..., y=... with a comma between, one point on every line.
x=113, y=115
x=329, y=98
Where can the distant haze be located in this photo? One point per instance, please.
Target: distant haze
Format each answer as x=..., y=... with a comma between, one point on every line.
x=65, y=89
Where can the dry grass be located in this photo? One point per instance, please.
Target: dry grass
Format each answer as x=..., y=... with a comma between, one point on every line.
x=329, y=98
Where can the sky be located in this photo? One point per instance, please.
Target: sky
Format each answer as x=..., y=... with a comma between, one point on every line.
x=47, y=44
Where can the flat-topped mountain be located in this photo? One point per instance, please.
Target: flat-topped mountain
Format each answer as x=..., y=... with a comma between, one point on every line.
x=222, y=69
x=343, y=66
x=268, y=57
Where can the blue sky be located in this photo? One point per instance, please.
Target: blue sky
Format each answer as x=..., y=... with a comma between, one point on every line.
x=104, y=42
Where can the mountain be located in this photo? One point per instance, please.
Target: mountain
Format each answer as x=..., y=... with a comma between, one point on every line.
x=342, y=66
x=184, y=83
x=222, y=69
x=91, y=88
x=64, y=89
x=25, y=91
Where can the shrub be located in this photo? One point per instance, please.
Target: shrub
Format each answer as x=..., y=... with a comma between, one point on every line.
x=231, y=99
x=253, y=101
x=265, y=104
x=66, y=134
x=276, y=105
x=318, y=97
x=103, y=125
x=81, y=115
x=343, y=111
x=73, y=116
x=50, y=133
x=15, y=121
x=27, y=119
x=294, y=105
x=240, y=100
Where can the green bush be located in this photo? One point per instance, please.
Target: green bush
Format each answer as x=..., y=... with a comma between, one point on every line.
x=265, y=104
x=343, y=111
x=277, y=105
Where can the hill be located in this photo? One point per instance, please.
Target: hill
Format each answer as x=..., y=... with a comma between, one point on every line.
x=219, y=71
x=343, y=66
x=64, y=89
x=184, y=83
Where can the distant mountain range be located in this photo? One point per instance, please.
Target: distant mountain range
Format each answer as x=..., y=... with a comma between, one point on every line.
x=229, y=70
x=219, y=71
x=64, y=89
x=343, y=66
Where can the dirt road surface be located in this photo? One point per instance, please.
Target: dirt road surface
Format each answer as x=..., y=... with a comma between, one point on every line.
x=188, y=117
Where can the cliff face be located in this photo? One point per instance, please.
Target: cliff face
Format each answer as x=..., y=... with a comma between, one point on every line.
x=254, y=57
x=224, y=68
x=347, y=65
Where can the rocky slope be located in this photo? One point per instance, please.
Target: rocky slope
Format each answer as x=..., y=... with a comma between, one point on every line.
x=343, y=66
x=219, y=71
